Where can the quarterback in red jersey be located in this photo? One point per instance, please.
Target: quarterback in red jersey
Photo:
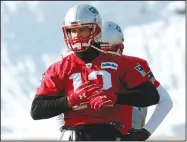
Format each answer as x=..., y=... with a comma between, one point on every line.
x=112, y=38
x=109, y=84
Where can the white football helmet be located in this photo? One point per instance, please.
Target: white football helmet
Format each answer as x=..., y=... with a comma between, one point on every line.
x=78, y=16
x=112, y=37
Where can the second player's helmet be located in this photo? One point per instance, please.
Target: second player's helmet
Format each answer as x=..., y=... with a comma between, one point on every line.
x=112, y=37
x=79, y=16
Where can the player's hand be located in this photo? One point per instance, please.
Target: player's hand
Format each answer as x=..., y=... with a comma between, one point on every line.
x=137, y=135
x=83, y=94
x=103, y=99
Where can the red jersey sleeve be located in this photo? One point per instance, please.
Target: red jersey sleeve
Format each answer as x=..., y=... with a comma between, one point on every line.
x=134, y=76
x=51, y=82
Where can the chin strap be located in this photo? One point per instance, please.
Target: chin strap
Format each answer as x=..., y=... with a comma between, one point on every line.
x=103, y=51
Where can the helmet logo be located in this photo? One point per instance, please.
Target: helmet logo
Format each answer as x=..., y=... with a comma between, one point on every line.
x=93, y=10
x=119, y=29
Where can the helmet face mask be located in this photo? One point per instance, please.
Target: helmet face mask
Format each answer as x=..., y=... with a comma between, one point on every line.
x=117, y=48
x=80, y=44
x=80, y=16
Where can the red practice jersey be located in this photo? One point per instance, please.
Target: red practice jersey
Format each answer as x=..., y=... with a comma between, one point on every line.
x=115, y=73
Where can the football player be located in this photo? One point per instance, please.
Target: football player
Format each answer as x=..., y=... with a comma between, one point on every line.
x=113, y=41
x=94, y=90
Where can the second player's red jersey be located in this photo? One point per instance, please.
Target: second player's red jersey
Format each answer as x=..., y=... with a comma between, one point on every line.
x=115, y=73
